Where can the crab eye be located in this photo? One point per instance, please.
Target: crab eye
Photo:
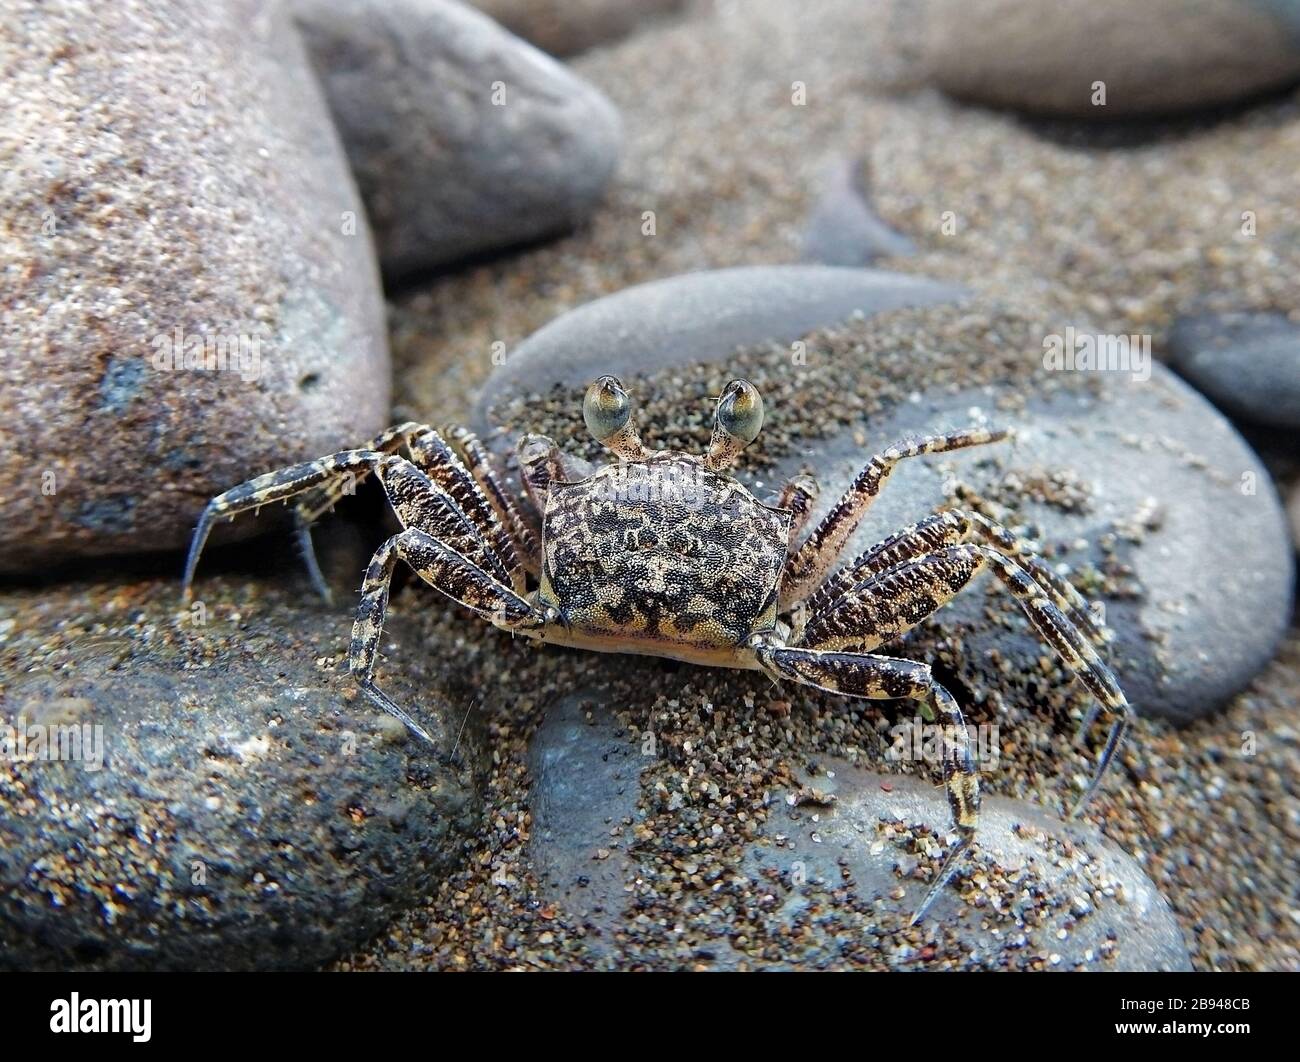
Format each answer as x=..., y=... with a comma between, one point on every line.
x=606, y=408
x=740, y=410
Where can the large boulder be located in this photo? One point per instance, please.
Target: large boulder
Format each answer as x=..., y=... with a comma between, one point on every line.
x=191, y=296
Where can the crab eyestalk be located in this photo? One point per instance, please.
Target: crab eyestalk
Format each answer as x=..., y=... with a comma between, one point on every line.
x=607, y=409
x=736, y=424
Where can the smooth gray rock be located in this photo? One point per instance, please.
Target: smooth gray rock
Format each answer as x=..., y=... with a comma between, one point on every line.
x=697, y=317
x=1214, y=566
x=842, y=229
x=1083, y=884
x=585, y=780
x=196, y=191
x=1248, y=363
x=1154, y=56
x=463, y=138
x=1293, y=514
x=251, y=811
x=1040, y=875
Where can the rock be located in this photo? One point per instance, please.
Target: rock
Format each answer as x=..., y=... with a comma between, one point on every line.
x=585, y=783
x=1138, y=484
x=1248, y=363
x=1063, y=892
x=249, y=811
x=697, y=317
x=1153, y=56
x=566, y=27
x=837, y=860
x=463, y=138
x=1173, y=491
x=1293, y=514
x=842, y=230
x=141, y=207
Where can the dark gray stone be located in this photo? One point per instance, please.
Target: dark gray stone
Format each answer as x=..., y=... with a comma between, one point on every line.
x=251, y=812
x=699, y=317
x=1248, y=363
x=1293, y=513
x=1111, y=913
x=585, y=783
x=198, y=191
x=1215, y=571
x=842, y=229
x=1044, y=876
x=444, y=170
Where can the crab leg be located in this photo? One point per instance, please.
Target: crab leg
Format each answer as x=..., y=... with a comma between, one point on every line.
x=429, y=452
x=950, y=528
x=322, y=499
x=479, y=463
x=325, y=481
x=417, y=499
x=448, y=572
x=272, y=487
x=892, y=603
x=432, y=454
x=798, y=496
x=810, y=563
x=883, y=677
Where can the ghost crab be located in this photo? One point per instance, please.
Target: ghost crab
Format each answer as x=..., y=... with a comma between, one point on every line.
x=663, y=553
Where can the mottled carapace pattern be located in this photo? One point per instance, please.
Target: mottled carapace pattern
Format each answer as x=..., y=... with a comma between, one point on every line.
x=663, y=551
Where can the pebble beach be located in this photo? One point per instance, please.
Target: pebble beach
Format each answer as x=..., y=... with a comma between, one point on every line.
x=908, y=250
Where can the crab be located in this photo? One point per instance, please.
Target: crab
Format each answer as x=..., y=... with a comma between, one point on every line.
x=662, y=552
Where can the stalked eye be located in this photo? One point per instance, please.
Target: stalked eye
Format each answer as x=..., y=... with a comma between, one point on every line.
x=606, y=408
x=740, y=410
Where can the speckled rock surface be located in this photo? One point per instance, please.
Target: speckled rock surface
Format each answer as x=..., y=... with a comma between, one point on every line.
x=835, y=866
x=842, y=229
x=1137, y=484
x=564, y=27
x=1152, y=55
x=249, y=810
x=586, y=790
x=138, y=207
x=1248, y=363
x=463, y=138
x=696, y=317
x=1159, y=508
